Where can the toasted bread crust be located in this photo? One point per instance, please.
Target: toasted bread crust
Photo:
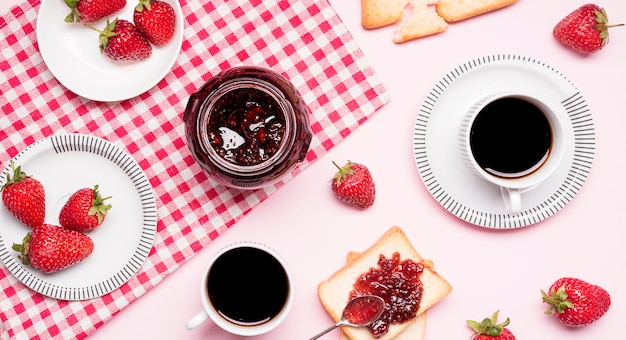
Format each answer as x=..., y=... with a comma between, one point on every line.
x=333, y=293
x=416, y=328
x=457, y=10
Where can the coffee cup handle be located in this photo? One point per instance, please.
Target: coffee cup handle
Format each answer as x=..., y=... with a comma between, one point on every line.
x=512, y=199
x=196, y=320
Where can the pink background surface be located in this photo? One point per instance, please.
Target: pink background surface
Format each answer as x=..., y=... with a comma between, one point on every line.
x=488, y=269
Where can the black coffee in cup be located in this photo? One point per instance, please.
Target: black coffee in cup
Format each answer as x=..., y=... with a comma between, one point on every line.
x=510, y=137
x=247, y=286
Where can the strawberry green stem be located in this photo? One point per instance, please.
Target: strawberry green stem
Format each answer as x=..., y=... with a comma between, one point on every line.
x=488, y=326
x=557, y=300
x=23, y=249
x=143, y=4
x=106, y=34
x=18, y=175
x=98, y=206
x=336, y=165
x=74, y=16
x=343, y=171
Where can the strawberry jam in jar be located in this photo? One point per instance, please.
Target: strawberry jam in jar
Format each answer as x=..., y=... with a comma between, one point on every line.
x=247, y=126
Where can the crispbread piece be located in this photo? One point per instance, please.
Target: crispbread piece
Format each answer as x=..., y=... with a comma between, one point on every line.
x=457, y=10
x=416, y=328
x=333, y=293
x=422, y=21
x=379, y=13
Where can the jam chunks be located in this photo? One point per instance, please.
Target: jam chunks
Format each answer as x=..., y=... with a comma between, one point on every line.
x=246, y=126
x=397, y=282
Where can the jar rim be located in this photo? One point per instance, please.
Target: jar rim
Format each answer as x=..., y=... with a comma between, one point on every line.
x=241, y=83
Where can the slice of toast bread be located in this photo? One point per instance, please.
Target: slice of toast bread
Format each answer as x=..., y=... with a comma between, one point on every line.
x=457, y=10
x=379, y=13
x=420, y=22
x=416, y=328
x=334, y=292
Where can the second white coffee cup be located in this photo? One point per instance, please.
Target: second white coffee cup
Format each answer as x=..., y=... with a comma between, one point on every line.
x=246, y=289
x=513, y=140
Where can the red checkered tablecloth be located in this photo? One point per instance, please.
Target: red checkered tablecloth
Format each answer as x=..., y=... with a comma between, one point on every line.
x=304, y=40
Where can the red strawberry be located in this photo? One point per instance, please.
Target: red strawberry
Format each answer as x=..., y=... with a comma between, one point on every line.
x=120, y=40
x=155, y=20
x=24, y=197
x=50, y=248
x=85, y=210
x=353, y=184
x=92, y=10
x=585, y=29
x=576, y=302
x=490, y=329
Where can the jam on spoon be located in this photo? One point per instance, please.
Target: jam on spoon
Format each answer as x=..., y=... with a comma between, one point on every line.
x=359, y=312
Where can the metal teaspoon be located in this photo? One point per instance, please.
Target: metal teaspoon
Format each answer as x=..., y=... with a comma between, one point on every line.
x=359, y=312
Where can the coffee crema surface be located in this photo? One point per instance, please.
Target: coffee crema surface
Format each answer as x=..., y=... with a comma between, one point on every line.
x=511, y=137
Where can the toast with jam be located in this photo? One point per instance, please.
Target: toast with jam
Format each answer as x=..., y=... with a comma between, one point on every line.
x=415, y=330
x=391, y=251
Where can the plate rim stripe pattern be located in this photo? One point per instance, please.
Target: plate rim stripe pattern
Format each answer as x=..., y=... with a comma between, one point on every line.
x=77, y=142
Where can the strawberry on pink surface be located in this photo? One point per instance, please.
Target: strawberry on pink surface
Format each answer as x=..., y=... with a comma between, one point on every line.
x=85, y=210
x=50, y=248
x=490, y=329
x=576, y=302
x=24, y=197
x=155, y=20
x=92, y=10
x=353, y=184
x=585, y=29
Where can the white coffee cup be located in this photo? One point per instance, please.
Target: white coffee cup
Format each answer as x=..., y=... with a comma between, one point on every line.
x=246, y=289
x=513, y=140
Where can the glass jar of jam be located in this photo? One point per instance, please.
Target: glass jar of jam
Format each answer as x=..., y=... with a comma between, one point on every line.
x=247, y=126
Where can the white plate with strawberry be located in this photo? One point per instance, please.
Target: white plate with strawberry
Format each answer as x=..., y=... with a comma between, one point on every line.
x=439, y=159
x=72, y=52
x=63, y=165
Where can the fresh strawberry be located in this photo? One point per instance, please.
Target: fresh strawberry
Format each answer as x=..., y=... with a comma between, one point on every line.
x=85, y=210
x=490, y=329
x=120, y=40
x=585, y=29
x=92, y=10
x=155, y=20
x=576, y=302
x=24, y=197
x=50, y=248
x=353, y=184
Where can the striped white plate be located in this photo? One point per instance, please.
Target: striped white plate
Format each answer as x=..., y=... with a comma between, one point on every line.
x=64, y=164
x=436, y=134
